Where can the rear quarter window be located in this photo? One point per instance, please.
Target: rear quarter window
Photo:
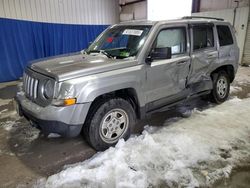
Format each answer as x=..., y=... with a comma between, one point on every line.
x=225, y=35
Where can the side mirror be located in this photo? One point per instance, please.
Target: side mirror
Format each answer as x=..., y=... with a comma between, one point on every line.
x=161, y=53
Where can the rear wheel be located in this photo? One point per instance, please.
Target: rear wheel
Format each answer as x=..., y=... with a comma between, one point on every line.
x=221, y=87
x=108, y=122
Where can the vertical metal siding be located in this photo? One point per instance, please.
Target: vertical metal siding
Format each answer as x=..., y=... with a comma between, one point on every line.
x=246, y=54
x=62, y=11
x=212, y=5
x=2, y=12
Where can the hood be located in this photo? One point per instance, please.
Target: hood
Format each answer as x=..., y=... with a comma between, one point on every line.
x=75, y=65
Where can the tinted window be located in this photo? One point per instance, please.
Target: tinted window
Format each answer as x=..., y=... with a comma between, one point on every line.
x=203, y=37
x=175, y=38
x=225, y=36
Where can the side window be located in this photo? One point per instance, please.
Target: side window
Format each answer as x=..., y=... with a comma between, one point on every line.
x=203, y=37
x=175, y=38
x=225, y=36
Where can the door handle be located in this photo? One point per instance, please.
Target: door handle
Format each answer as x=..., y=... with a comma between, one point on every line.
x=181, y=62
x=210, y=56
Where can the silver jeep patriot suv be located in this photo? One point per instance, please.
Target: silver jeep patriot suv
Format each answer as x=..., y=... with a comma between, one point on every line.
x=132, y=69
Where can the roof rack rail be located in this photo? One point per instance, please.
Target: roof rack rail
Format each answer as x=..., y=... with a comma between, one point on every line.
x=191, y=17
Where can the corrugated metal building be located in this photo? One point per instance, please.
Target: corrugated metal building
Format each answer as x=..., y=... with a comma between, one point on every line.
x=246, y=53
x=32, y=29
x=62, y=11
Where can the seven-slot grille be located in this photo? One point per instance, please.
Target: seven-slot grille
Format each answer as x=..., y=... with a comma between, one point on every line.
x=30, y=86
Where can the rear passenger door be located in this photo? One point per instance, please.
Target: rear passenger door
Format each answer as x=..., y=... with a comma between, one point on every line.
x=204, y=52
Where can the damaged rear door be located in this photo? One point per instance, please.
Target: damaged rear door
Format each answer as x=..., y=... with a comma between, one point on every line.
x=204, y=52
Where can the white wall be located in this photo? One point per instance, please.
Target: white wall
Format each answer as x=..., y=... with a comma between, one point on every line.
x=240, y=20
x=62, y=11
x=246, y=53
x=211, y=5
x=168, y=9
x=136, y=11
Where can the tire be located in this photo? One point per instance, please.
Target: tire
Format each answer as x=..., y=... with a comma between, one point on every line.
x=221, y=87
x=107, y=122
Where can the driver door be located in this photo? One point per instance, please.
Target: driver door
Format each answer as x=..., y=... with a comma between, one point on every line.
x=166, y=78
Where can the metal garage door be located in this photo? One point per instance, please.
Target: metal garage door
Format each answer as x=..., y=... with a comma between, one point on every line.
x=246, y=53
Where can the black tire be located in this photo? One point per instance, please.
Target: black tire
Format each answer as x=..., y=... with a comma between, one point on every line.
x=220, y=94
x=93, y=129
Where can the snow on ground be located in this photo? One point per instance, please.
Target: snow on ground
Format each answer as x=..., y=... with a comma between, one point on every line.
x=54, y=135
x=3, y=152
x=26, y=132
x=8, y=125
x=185, y=152
x=4, y=101
x=242, y=80
x=243, y=75
x=6, y=114
x=7, y=84
x=15, y=124
x=235, y=89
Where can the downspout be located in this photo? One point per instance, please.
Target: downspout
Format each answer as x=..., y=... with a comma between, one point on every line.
x=235, y=11
x=196, y=6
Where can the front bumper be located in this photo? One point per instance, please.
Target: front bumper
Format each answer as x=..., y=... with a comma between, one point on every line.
x=66, y=121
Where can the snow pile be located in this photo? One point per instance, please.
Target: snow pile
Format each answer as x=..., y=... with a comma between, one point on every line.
x=4, y=101
x=8, y=113
x=30, y=133
x=235, y=89
x=243, y=75
x=54, y=135
x=190, y=152
x=8, y=125
x=3, y=152
x=5, y=112
x=7, y=84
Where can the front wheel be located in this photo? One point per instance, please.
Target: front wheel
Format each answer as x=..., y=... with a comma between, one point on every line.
x=110, y=121
x=221, y=87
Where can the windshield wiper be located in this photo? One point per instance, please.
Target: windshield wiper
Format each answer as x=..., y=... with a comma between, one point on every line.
x=101, y=52
x=83, y=51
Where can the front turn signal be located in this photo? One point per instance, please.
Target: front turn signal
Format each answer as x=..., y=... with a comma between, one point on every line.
x=64, y=102
x=68, y=102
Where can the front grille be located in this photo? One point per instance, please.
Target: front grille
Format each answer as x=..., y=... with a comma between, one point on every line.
x=33, y=84
x=30, y=86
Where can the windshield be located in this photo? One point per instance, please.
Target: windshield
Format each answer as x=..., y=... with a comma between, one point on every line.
x=120, y=41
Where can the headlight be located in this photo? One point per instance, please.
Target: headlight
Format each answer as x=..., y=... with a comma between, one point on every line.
x=48, y=89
